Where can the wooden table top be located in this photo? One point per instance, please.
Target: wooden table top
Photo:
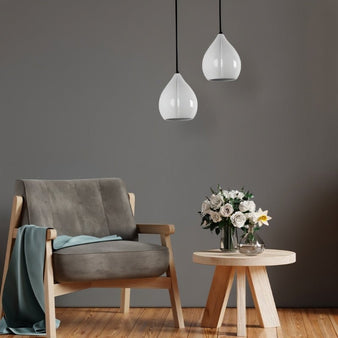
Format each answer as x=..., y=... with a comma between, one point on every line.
x=269, y=257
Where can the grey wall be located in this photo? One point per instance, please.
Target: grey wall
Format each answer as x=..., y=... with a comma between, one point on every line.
x=79, y=88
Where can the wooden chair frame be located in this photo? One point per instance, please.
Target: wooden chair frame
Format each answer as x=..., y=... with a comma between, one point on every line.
x=53, y=290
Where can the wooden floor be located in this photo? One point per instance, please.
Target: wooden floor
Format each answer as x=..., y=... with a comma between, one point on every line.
x=158, y=322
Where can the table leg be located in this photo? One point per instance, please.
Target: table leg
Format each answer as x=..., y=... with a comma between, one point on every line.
x=262, y=296
x=241, y=304
x=218, y=296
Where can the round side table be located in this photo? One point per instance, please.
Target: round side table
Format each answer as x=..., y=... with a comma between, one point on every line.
x=254, y=269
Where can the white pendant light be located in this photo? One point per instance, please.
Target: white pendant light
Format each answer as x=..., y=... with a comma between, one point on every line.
x=221, y=62
x=177, y=101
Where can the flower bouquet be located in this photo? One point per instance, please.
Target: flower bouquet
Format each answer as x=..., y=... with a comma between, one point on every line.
x=226, y=211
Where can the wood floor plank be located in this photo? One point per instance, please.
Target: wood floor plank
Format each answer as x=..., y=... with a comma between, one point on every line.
x=292, y=322
x=279, y=331
x=195, y=319
x=169, y=330
x=333, y=315
x=101, y=318
x=158, y=322
x=311, y=326
x=84, y=326
x=317, y=323
x=253, y=328
x=324, y=321
x=149, y=323
x=70, y=318
x=120, y=324
x=229, y=325
x=196, y=330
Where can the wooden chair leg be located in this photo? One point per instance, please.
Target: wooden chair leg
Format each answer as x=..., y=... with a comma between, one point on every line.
x=125, y=300
x=173, y=291
x=176, y=305
x=1, y=309
x=14, y=222
x=49, y=293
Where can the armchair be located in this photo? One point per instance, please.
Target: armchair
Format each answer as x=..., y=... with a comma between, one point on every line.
x=96, y=207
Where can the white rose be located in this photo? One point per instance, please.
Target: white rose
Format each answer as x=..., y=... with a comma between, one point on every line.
x=232, y=194
x=226, y=194
x=240, y=195
x=216, y=201
x=236, y=194
x=238, y=219
x=205, y=207
x=252, y=206
x=226, y=210
x=251, y=217
x=215, y=216
x=247, y=206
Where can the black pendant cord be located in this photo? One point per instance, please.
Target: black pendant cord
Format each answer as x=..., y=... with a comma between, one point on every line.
x=176, y=38
x=220, y=15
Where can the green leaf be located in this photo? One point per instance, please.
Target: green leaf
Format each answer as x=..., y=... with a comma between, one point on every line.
x=244, y=229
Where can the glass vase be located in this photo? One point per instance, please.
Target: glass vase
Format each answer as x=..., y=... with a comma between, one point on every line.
x=251, y=244
x=229, y=240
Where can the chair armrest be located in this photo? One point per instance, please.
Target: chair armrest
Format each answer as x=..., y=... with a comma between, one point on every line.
x=162, y=229
x=51, y=234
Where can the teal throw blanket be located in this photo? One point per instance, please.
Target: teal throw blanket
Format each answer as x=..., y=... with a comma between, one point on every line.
x=23, y=296
x=64, y=241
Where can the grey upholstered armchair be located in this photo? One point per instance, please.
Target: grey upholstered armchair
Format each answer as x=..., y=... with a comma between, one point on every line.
x=96, y=207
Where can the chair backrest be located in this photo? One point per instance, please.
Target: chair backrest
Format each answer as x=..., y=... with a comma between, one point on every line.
x=96, y=207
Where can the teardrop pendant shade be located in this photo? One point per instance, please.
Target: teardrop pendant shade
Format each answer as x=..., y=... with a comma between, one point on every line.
x=178, y=101
x=221, y=62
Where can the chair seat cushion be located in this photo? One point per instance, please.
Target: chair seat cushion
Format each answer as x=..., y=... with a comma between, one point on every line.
x=110, y=260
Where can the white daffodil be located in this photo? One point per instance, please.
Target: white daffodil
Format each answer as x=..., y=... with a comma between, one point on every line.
x=226, y=210
x=262, y=217
x=238, y=219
